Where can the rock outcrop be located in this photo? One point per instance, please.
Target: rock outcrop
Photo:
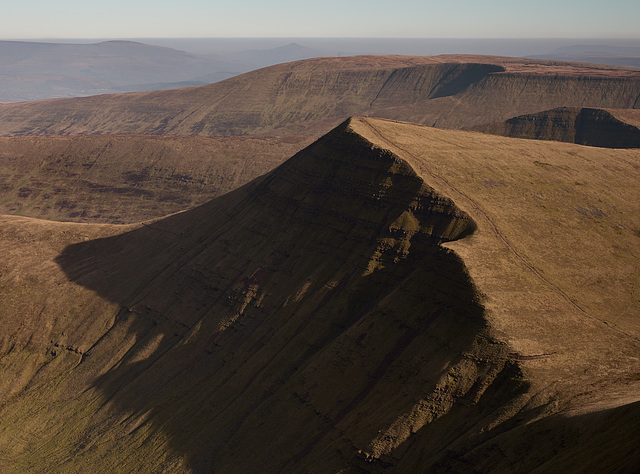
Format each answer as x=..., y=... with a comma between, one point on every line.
x=585, y=126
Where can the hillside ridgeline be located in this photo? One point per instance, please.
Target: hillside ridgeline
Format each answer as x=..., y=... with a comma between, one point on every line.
x=311, y=96
x=341, y=311
x=35, y=71
x=265, y=322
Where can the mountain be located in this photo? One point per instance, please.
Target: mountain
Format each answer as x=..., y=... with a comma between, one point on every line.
x=611, y=128
x=33, y=71
x=128, y=178
x=626, y=56
x=311, y=96
x=392, y=298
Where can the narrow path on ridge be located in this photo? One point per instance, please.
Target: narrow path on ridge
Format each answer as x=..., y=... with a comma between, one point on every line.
x=495, y=229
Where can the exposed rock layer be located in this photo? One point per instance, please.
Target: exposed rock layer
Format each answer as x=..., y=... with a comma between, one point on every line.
x=585, y=126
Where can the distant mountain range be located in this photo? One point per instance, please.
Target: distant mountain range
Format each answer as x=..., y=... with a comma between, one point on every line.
x=307, y=98
x=31, y=71
x=44, y=70
x=34, y=71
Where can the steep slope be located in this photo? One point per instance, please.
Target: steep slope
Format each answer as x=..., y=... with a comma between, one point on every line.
x=309, y=97
x=338, y=313
x=128, y=178
x=585, y=126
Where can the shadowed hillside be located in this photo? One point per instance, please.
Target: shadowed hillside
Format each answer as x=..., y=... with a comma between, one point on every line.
x=123, y=179
x=371, y=304
x=585, y=126
x=311, y=96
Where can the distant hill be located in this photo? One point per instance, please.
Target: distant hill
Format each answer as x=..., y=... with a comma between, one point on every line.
x=393, y=298
x=309, y=97
x=611, y=128
x=626, y=56
x=32, y=71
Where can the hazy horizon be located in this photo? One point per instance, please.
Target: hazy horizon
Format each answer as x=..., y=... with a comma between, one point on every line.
x=364, y=45
x=616, y=19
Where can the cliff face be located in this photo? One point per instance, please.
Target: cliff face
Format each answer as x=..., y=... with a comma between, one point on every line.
x=496, y=97
x=310, y=318
x=309, y=97
x=585, y=126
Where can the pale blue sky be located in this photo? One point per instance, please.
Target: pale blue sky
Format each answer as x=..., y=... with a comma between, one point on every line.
x=327, y=18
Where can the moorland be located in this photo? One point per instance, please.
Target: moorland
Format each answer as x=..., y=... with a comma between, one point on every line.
x=313, y=267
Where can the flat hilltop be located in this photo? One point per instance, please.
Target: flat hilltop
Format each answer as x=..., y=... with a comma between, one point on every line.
x=394, y=297
x=310, y=97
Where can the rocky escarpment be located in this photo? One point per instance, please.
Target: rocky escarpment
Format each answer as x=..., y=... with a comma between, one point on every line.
x=310, y=318
x=585, y=126
x=310, y=97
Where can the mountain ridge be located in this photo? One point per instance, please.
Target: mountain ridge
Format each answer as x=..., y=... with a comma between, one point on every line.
x=309, y=97
x=36, y=71
x=417, y=325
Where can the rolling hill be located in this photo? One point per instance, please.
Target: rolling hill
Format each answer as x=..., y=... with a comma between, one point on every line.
x=309, y=97
x=394, y=298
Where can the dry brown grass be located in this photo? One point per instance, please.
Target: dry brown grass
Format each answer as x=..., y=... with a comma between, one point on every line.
x=630, y=116
x=128, y=178
x=557, y=253
x=312, y=318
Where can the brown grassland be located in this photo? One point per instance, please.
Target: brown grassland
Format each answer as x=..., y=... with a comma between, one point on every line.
x=128, y=178
x=394, y=298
